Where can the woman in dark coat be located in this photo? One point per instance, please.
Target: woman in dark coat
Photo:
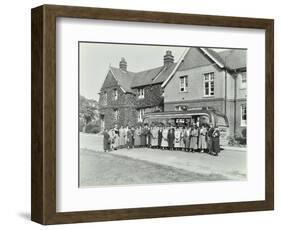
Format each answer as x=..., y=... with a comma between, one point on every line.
x=171, y=138
x=106, y=141
x=129, y=138
x=143, y=137
x=160, y=136
x=210, y=139
x=148, y=137
x=216, y=141
x=137, y=137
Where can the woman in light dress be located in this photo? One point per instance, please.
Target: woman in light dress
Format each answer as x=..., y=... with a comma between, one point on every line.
x=178, y=137
x=137, y=137
x=116, y=137
x=122, y=139
x=112, y=139
x=186, y=138
x=154, y=137
x=164, y=143
x=203, y=138
x=182, y=145
x=194, y=138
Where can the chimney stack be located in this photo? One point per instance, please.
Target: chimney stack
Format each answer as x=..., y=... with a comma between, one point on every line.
x=123, y=64
x=168, y=58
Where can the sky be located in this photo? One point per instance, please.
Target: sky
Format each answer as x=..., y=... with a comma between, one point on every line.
x=95, y=59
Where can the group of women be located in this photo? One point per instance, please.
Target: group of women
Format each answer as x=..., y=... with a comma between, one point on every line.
x=193, y=138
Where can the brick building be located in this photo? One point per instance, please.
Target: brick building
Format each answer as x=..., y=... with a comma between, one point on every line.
x=201, y=78
x=126, y=96
x=206, y=78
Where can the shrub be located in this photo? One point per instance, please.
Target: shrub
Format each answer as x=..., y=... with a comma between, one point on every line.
x=92, y=128
x=231, y=141
x=238, y=138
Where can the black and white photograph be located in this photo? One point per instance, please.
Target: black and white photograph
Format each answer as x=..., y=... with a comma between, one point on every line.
x=151, y=114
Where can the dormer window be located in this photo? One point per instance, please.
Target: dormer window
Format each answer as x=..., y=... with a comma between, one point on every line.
x=141, y=93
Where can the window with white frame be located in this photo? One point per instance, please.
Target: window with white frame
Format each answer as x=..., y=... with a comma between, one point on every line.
x=183, y=83
x=243, y=80
x=115, y=94
x=140, y=115
x=116, y=114
x=243, y=115
x=141, y=93
x=209, y=84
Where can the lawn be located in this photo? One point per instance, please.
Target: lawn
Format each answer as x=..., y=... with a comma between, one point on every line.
x=103, y=169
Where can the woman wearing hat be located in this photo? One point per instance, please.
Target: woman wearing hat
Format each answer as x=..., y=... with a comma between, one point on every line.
x=216, y=141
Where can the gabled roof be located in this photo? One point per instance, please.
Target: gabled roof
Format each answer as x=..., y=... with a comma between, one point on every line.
x=128, y=80
x=164, y=74
x=231, y=59
x=152, y=76
x=214, y=56
x=175, y=68
x=124, y=78
x=145, y=77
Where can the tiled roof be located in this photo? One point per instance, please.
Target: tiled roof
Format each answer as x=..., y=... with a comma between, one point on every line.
x=152, y=76
x=145, y=77
x=128, y=80
x=234, y=58
x=215, y=55
x=164, y=74
x=124, y=78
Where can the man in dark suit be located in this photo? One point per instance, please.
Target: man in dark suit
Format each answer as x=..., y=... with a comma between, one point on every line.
x=210, y=138
x=171, y=138
x=160, y=136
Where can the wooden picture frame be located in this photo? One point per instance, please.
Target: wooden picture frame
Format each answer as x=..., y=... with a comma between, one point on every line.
x=43, y=205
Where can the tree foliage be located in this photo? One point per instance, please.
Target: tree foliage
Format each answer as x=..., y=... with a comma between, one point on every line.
x=88, y=112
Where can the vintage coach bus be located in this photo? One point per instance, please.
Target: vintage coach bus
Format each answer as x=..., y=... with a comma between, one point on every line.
x=189, y=116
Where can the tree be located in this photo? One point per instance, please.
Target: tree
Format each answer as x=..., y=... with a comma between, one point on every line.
x=88, y=112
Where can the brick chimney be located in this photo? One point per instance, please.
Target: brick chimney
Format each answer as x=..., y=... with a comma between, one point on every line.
x=168, y=58
x=123, y=64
